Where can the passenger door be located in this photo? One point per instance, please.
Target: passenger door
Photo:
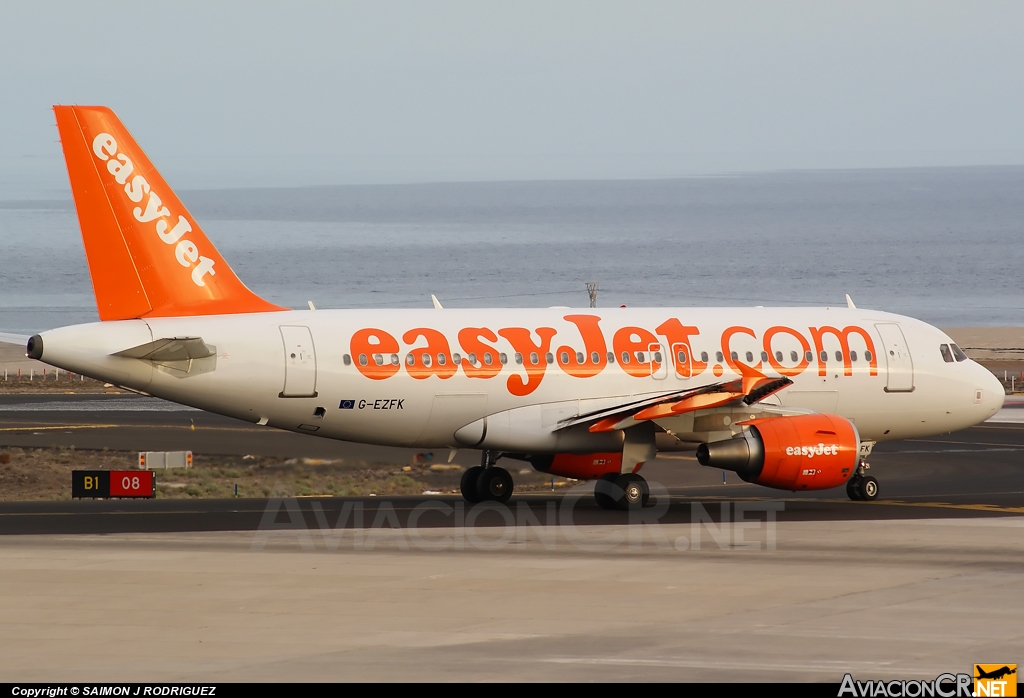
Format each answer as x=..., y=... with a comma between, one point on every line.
x=299, y=362
x=897, y=356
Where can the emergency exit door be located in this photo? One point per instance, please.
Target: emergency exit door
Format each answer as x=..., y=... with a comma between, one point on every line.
x=299, y=362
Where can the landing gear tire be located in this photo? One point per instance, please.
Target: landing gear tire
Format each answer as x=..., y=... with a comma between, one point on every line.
x=862, y=488
x=868, y=488
x=853, y=488
x=621, y=491
x=494, y=485
x=468, y=484
x=635, y=491
x=607, y=493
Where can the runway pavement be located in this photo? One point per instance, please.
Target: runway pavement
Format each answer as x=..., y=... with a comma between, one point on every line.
x=978, y=472
x=713, y=583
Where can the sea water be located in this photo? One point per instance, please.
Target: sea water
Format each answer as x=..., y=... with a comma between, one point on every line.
x=940, y=244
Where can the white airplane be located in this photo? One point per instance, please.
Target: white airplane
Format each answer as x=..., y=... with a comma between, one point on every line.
x=790, y=398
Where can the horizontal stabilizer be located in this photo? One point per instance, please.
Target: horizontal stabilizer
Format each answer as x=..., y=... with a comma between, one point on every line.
x=170, y=349
x=8, y=338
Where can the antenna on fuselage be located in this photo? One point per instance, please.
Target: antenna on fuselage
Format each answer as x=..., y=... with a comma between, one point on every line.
x=437, y=303
x=592, y=287
x=849, y=302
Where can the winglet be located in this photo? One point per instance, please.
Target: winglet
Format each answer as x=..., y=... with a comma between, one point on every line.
x=147, y=255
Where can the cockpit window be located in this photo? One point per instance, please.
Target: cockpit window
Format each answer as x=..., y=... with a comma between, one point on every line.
x=958, y=353
x=947, y=355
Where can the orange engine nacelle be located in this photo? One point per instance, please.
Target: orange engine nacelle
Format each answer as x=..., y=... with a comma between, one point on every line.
x=808, y=452
x=585, y=466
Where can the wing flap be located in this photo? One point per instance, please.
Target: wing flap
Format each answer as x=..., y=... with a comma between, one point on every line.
x=742, y=391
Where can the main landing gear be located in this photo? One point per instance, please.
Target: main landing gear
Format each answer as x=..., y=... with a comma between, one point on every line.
x=621, y=491
x=486, y=482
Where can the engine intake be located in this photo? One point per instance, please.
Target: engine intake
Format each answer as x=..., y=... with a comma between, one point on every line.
x=34, y=349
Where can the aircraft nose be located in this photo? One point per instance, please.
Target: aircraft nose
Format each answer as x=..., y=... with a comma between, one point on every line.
x=992, y=393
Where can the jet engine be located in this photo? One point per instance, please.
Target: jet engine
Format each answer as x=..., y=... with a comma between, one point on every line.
x=579, y=466
x=806, y=452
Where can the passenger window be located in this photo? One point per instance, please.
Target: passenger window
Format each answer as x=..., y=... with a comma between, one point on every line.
x=549, y=357
x=611, y=358
x=947, y=355
x=564, y=357
x=378, y=359
x=750, y=356
x=867, y=356
x=534, y=359
x=457, y=358
x=347, y=360
x=704, y=357
x=362, y=360
x=488, y=358
x=735, y=356
x=441, y=359
x=682, y=357
x=793, y=356
x=764, y=356
x=579, y=357
x=719, y=357
x=394, y=359
x=426, y=360
x=410, y=359
x=958, y=353
x=519, y=358
x=640, y=357
x=823, y=356
x=657, y=356
x=853, y=356
x=808, y=356
x=595, y=358
x=503, y=358
x=472, y=358
x=839, y=356
x=625, y=357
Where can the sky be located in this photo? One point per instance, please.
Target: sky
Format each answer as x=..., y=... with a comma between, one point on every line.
x=304, y=93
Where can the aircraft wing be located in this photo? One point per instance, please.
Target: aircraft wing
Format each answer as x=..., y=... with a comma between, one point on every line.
x=747, y=390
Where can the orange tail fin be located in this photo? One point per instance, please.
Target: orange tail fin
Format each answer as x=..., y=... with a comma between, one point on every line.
x=147, y=256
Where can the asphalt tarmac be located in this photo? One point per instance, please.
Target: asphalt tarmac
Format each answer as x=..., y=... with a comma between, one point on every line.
x=718, y=583
x=977, y=472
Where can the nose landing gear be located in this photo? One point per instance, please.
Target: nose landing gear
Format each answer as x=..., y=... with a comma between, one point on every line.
x=861, y=487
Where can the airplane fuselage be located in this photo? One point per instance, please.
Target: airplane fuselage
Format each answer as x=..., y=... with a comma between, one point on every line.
x=416, y=377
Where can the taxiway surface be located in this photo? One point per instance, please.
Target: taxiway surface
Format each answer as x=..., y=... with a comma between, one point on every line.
x=714, y=583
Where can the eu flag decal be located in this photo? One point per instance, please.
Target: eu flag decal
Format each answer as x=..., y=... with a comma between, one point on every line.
x=347, y=405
